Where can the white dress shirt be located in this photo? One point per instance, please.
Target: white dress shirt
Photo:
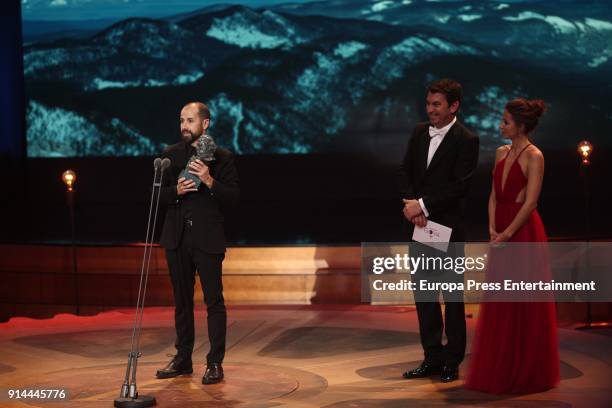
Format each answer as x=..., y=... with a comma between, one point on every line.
x=437, y=136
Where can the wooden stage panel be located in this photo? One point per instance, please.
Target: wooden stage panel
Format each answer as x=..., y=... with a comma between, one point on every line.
x=37, y=280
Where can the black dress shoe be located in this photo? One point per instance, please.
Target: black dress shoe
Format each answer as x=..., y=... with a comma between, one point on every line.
x=424, y=370
x=213, y=374
x=177, y=366
x=449, y=374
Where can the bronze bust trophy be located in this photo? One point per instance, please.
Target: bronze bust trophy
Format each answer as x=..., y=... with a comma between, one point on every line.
x=205, y=151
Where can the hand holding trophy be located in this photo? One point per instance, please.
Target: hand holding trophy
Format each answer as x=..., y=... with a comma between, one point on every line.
x=205, y=152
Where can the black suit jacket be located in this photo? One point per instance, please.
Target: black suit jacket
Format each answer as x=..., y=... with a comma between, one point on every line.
x=444, y=183
x=206, y=204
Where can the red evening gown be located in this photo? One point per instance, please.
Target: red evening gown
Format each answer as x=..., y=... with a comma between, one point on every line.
x=515, y=347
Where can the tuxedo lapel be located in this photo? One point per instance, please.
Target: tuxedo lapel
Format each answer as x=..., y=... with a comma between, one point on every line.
x=423, y=150
x=212, y=167
x=445, y=147
x=182, y=153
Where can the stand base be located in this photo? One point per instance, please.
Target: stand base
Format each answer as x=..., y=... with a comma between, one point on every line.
x=141, y=402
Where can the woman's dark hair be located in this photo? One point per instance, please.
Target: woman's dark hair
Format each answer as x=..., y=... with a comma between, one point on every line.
x=526, y=112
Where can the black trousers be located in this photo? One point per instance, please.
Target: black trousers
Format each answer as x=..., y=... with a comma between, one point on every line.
x=183, y=263
x=429, y=311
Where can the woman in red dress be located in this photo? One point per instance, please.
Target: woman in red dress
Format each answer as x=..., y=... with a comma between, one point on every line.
x=515, y=347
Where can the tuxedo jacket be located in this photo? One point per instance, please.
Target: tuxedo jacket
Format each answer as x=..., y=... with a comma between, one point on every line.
x=206, y=205
x=442, y=185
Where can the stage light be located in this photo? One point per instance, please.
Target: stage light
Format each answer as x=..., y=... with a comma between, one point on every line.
x=69, y=178
x=585, y=148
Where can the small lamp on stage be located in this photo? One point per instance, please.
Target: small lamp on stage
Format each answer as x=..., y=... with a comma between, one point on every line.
x=69, y=179
x=585, y=148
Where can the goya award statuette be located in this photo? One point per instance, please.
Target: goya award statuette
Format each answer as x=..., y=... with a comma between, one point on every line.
x=205, y=151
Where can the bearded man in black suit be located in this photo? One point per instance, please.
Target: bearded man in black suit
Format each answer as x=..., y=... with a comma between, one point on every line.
x=194, y=238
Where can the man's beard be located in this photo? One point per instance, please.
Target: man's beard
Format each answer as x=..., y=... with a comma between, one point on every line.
x=189, y=137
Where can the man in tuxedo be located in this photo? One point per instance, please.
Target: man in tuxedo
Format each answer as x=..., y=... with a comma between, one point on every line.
x=194, y=238
x=440, y=160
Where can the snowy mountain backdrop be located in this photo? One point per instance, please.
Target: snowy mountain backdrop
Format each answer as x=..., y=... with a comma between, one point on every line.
x=307, y=77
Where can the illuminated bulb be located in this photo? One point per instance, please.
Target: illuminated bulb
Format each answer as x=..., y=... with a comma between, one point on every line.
x=585, y=148
x=69, y=178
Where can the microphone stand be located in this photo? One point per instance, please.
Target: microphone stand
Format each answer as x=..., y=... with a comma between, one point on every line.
x=128, y=397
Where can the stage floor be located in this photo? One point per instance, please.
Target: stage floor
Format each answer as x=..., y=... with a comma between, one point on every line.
x=277, y=356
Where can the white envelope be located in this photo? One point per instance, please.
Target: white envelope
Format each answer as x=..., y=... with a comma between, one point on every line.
x=434, y=235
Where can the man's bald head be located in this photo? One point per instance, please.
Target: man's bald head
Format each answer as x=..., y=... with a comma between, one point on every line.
x=200, y=107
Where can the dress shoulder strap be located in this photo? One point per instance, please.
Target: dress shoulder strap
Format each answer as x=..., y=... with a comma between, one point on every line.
x=521, y=152
x=507, y=153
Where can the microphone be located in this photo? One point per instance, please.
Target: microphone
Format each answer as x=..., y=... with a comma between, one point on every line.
x=128, y=396
x=165, y=163
x=159, y=163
